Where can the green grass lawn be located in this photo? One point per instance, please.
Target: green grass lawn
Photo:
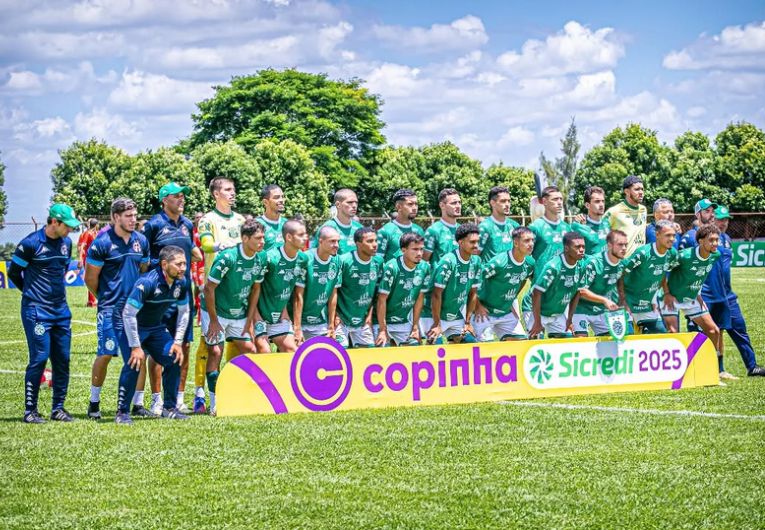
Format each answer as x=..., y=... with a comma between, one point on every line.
x=479, y=466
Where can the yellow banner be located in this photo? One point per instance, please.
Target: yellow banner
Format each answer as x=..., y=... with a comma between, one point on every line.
x=323, y=376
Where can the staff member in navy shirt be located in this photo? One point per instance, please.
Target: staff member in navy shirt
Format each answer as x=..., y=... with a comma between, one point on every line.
x=115, y=260
x=38, y=268
x=144, y=331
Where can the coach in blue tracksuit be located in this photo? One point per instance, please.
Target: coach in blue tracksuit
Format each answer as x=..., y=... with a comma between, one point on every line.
x=38, y=268
x=144, y=331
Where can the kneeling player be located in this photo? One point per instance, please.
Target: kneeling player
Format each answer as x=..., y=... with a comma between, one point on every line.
x=400, y=297
x=504, y=275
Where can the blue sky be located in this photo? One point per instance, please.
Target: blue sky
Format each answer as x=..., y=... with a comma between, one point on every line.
x=500, y=79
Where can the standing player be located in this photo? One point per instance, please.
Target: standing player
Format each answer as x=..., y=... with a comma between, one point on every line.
x=644, y=275
x=439, y=237
x=234, y=274
x=37, y=269
x=389, y=236
x=555, y=291
x=599, y=290
x=360, y=271
x=315, y=304
x=83, y=245
x=496, y=231
x=272, y=218
x=144, y=329
x=455, y=289
x=400, y=296
x=592, y=227
x=346, y=204
x=662, y=209
x=630, y=216
x=284, y=269
x=504, y=275
x=115, y=261
x=705, y=214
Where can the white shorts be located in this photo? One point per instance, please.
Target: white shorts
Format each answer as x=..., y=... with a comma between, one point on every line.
x=315, y=330
x=283, y=327
x=499, y=328
x=361, y=336
x=555, y=324
x=583, y=322
x=233, y=329
x=449, y=328
x=690, y=309
x=646, y=316
x=399, y=333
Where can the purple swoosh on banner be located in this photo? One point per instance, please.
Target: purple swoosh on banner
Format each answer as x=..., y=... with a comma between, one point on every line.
x=261, y=379
x=692, y=350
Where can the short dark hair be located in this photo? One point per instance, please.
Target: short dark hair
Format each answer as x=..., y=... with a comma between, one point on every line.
x=410, y=238
x=292, y=226
x=630, y=181
x=402, y=194
x=707, y=230
x=613, y=234
x=92, y=222
x=664, y=223
x=358, y=236
x=342, y=194
x=465, y=230
x=252, y=227
x=170, y=252
x=521, y=231
x=121, y=205
x=590, y=190
x=265, y=193
x=446, y=192
x=548, y=190
x=217, y=183
x=496, y=190
x=570, y=237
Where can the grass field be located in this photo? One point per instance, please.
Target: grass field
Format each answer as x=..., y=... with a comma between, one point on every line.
x=479, y=466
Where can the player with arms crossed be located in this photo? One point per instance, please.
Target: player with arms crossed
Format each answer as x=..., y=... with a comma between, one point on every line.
x=346, y=205
x=496, y=231
x=388, y=237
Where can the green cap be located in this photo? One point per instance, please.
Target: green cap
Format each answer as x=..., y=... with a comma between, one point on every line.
x=65, y=214
x=722, y=212
x=703, y=204
x=172, y=189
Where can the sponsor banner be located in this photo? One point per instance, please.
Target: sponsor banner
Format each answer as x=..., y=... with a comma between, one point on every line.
x=74, y=277
x=748, y=254
x=323, y=376
x=5, y=282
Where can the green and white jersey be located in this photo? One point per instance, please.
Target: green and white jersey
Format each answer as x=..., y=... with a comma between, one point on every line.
x=279, y=279
x=558, y=282
x=321, y=278
x=456, y=277
x=234, y=273
x=594, y=233
x=495, y=237
x=356, y=287
x=389, y=237
x=439, y=240
x=347, y=244
x=548, y=244
x=402, y=285
x=643, y=272
x=273, y=235
x=600, y=276
x=688, y=273
x=503, y=278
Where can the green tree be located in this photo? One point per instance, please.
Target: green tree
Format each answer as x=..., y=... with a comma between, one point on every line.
x=740, y=149
x=561, y=172
x=748, y=198
x=395, y=168
x=692, y=173
x=448, y=167
x=3, y=196
x=519, y=181
x=230, y=160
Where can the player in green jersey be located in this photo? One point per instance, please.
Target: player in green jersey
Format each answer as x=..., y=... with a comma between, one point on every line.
x=272, y=218
x=389, y=235
x=504, y=275
x=592, y=227
x=644, y=275
x=346, y=206
x=555, y=291
x=439, y=237
x=314, y=305
x=234, y=274
x=455, y=285
x=496, y=231
x=401, y=292
x=360, y=272
x=284, y=269
x=599, y=291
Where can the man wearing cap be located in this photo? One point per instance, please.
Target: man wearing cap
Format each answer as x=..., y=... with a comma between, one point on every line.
x=170, y=228
x=705, y=214
x=630, y=216
x=37, y=269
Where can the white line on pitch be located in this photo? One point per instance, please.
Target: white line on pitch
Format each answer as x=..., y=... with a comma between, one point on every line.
x=22, y=372
x=85, y=334
x=625, y=409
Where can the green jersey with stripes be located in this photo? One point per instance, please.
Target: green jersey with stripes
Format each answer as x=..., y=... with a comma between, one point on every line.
x=456, y=277
x=558, y=282
x=347, y=244
x=320, y=280
x=689, y=270
x=594, y=233
x=234, y=273
x=356, y=287
x=548, y=244
x=273, y=234
x=389, y=236
x=439, y=240
x=503, y=278
x=600, y=276
x=643, y=273
x=402, y=285
x=495, y=237
x=279, y=279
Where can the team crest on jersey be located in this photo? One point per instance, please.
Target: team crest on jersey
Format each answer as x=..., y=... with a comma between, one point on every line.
x=177, y=291
x=332, y=273
x=110, y=345
x=417, y=281
x=372, y=275
x=233, y=232
x=184, y=230
x=39, y=330
x=136, y=246
x=64, y=250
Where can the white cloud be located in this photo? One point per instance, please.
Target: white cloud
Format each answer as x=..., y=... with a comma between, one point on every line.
x=141, y=91
x=517, y=136
x=100, y=124
x=56, y=80
x=395, y=80
x=463, y=33
x=736, y=47
x=696, y=112
x=50, y=131
x=23, y=81
x=64, y=45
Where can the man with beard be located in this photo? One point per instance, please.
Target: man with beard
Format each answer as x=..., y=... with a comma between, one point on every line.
x=592, y=227
x=496, y=231
x=272, y=197
x=630, y=216
x=389, y=236
x=439, y=237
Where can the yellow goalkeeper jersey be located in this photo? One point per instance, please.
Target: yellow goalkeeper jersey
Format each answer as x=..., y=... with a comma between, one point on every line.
x=631, y=220
x=217, y=231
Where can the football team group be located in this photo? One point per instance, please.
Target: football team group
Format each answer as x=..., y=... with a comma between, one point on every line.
x=263, y=286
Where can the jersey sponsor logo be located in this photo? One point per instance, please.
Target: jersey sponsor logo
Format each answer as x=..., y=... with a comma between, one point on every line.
x=157, y=291
x=136, y=246
x=165, y=230
x=140, y=288
x=114, y=247
x=39, y=330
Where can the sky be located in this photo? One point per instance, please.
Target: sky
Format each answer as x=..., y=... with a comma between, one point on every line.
x=501, y=79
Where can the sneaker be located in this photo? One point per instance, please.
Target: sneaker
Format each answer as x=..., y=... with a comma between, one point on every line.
x=183, y=408
x=139, y=411
x=174, y=414
x=200, y=407
x=213, y=411
x=756, y=371
x=727, y=376
x=94, y=410
x=720, y=383
x=123, y=418
x=156, y=408
x=33, y=417
x=61, y=415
